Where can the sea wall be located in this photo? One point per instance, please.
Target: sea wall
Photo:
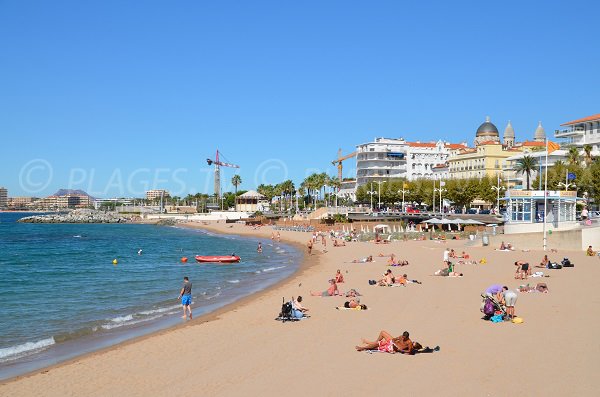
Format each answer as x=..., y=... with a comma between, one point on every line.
x=78, y=216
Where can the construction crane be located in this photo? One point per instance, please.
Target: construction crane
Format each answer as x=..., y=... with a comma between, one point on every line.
x=219, y=164
x=339, y=160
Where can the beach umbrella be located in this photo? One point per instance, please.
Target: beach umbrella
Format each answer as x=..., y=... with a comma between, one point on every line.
x=381, y=228
x=474, y=222
x=433, y=221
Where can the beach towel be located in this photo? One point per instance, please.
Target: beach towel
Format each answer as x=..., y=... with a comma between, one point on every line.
x=357, y=308
x=498, y=318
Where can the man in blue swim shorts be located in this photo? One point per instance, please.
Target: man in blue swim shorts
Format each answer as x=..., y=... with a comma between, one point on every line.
x=186, y=297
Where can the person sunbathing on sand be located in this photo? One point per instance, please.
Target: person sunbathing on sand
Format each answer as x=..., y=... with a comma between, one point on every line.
x=387, y=343
x=447, y=273
x=339, y=278
x=590, y=251
x=544, y=263
x=363, y=260
x=387, y=280
x=342, y=243
x=502, y=246
x=465, y=255
x=354, y=302
x=331, y=291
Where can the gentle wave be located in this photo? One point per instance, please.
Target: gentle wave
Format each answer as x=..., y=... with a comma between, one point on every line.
x=233, y=281
x=127, y=323
x=270, y=269
x=122, y=319
x=161, y=310
x=13, y=352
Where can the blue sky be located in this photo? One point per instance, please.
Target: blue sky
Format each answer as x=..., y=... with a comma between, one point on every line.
x=114, y=97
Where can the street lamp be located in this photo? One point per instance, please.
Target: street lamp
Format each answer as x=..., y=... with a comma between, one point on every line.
x=498, y=189
x=371, y=192
x=379, y=195
x=403, y=191
x=566, y=185
x=440, y=190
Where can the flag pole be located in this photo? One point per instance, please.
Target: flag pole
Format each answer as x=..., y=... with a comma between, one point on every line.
x=545, y=242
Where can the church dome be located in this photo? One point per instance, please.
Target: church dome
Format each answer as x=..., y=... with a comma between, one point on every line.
x=487, y=129
x=540, y=133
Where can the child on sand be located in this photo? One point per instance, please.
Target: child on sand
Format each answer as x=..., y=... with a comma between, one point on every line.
x=339, y=278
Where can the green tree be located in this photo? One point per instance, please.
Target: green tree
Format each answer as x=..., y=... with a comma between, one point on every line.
x=236, y=180
x=526, y=165
x=573, y=156
x=587, y=149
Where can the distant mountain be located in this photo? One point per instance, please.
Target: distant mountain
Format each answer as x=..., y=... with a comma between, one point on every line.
x=64, y=192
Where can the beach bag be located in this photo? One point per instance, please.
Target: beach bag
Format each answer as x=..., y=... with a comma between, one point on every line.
x=567, y=263
x=488, y=307
x=555, y=266
x=286, y=310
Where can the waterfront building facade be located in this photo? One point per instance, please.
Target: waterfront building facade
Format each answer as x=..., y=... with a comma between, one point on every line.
x=3, y=197
x=490, y=155
x=156, y=194
x=422, y=157
x=380, y=160
x=581, y=132
x=21, y=202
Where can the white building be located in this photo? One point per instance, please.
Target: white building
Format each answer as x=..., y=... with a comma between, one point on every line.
x=380, y=160
x=3, y=197
x=386, y=158
x=581, y=132
x=348, y=190
x=423, y=157
x=515, y=180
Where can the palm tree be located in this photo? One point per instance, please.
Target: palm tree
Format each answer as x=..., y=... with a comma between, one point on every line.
x=526, y=165
x=587, y=149
x=236, y=181
x=573, y=156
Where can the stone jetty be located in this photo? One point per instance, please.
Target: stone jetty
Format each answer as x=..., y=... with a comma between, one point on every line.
x=78, y=216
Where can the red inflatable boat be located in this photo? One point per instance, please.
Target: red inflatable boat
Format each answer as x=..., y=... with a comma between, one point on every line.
x=217, y=259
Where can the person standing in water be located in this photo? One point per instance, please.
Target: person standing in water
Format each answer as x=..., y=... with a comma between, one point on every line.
x=259, y=248
x=186, y=297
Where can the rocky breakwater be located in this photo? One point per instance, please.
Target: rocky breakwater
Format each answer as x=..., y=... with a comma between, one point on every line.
x=78, y=216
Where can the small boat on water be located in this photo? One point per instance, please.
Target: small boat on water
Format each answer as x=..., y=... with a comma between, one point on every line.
x=217, y=258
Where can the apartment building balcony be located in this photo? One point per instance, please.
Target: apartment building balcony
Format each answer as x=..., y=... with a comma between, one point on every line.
x=570, y=133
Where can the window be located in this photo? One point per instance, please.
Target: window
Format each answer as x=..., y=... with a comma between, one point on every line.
x=497, y=165
x=521, y=210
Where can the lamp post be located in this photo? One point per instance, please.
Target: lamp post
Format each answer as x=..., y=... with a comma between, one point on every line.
x=498, y=188
x=440, y=190
x=403, y=191
x=371, y=192
x=379, y=195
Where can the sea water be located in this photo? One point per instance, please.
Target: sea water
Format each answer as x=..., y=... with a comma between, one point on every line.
x=61, y=295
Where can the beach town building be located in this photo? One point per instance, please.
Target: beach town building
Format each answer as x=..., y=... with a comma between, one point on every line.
x=422, y=157
x=525, y=211
x=441, y=171
x=22, y=202
x=490, y=154
x=581, y=132
x=386, y=158
x=121, y=201
x=251, y=201
x=156, y=194
x=381, y=159
x=347, y=190
x=515, y=180
x=3, y=197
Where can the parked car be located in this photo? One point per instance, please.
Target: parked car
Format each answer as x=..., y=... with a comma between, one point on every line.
x=411, y=210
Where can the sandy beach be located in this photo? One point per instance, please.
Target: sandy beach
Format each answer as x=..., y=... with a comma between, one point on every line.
x=241, y=350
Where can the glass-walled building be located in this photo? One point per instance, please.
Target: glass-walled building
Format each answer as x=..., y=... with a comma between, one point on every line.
x=525, y=210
